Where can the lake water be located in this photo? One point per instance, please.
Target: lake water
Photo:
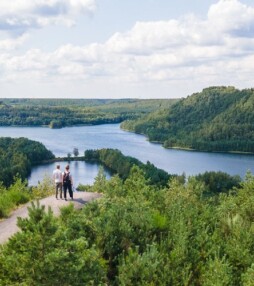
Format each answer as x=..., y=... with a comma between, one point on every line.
x=62, y=141
x=81, y=171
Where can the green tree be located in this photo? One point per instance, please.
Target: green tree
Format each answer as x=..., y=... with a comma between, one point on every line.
x=75, y=152
x=50, y=257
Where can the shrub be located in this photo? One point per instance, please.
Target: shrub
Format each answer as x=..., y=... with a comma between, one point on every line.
x=13, y=196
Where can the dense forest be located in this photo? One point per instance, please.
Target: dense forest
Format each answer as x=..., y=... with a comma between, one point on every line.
x=18, y=155
x=57, y=113
x=216, y=119
x=119, y=164
x=137, y=234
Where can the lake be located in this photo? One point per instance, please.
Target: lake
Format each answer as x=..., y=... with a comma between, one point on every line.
x=62, y=141
x=81, y=171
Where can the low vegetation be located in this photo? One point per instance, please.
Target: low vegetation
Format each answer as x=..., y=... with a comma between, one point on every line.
x=138, y=234
x=19, y=193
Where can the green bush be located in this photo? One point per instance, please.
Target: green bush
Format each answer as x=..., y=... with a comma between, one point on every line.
x=18, y=193
x=50, y=257
x=138, y=234
x=6, y=205
x=142, y=268
x=44, y=188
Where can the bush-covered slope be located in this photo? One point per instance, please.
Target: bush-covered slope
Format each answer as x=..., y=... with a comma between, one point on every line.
x=216, y=119
x=134, y=235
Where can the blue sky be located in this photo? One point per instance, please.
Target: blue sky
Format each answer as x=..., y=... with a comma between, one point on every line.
x=117, y=49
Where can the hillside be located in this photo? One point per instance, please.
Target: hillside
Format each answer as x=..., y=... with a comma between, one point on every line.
x=216, y=119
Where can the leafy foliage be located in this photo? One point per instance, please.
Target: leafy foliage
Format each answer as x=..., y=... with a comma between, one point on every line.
x=44, y=188
x=138, y=234
x=19, y=193
x=18, y=155
x=114, y=160
x=44, y=254
x=218, y=182
x=216, y=119
x=11, y=197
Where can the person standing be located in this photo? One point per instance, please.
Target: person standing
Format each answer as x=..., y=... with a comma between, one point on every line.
x=67, y=182
x=58, y=179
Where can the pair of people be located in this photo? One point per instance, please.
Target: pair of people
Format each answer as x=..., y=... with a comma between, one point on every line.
x=63, y=182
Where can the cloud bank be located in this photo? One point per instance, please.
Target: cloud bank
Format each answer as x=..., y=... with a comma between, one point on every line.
x=212, y=51
x=19, y=16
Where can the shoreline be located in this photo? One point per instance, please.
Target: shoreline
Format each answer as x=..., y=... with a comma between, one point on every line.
x=48, y=126
x=188, y=149
x=61, y=159
x=126, y=130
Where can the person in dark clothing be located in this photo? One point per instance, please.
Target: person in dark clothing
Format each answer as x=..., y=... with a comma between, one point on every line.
x=67, y=182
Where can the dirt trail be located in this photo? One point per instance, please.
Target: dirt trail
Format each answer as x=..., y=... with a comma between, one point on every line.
x=8, y=227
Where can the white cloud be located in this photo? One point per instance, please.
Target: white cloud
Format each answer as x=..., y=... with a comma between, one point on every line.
x=19, y=16
x=13, y=43
x=72, y=69
x=231, y=16
x=211, y=51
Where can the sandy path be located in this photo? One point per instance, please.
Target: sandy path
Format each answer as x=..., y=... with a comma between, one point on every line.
x=8, y=227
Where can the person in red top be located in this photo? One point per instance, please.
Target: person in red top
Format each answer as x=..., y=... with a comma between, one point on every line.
x=67, y=182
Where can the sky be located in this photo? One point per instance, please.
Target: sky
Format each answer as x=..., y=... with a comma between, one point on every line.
x=124, y=49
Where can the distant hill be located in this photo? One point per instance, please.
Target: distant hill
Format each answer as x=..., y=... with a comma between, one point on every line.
x=57, y=113
x=216, y=119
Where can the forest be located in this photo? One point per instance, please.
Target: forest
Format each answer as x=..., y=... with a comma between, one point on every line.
x=217, y=119
x=18, y=155
x=119, y=164
x=57, y=113
x=137, y=234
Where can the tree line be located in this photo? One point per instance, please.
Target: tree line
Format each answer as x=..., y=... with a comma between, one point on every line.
x=58, y=113
x=119, y=164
